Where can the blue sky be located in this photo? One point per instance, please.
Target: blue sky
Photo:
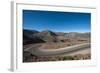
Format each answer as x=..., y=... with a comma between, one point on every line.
x=56, y=21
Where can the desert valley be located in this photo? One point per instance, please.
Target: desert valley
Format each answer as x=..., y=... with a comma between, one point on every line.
x=48, y=45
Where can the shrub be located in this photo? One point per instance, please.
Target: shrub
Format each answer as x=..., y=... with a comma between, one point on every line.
x=68, y=58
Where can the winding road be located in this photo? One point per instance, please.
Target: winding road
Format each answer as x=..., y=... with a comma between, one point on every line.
x=66, y=50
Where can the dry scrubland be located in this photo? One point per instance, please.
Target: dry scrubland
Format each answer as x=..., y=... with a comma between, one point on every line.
x=52, y=40
x=58, y=58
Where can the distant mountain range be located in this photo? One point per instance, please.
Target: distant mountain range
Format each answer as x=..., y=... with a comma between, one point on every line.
x=33, y=36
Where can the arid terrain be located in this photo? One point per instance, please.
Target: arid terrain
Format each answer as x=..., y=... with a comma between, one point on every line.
x=55, y=46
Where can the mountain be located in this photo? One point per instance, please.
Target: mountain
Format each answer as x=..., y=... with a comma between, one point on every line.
x=29, y=32
x=47, y=36
x=33, y=36
x=28, y=37
x=48, y=33
x=60, y=33
x=77, y=35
